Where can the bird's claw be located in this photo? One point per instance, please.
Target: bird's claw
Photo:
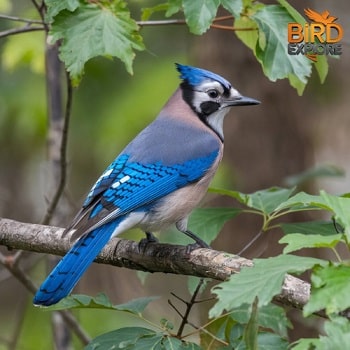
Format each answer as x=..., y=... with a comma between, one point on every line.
x=196, y=245
x=144, y=242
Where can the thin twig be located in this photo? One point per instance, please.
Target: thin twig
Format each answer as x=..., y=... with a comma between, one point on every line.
x=199, y=301
x=29, y=28
x=175, y=308
x=19, y=19
x=202, y=329
x=75, y=326
x=176, y=21
x=189, y=306
x=41, y=9
x=182, y=22
x=25, y=29
x=235, y=29
x=188, y=309
x=16, y=271
x=63, y=155
x=179, y=298
x=18, y=255
x=19, y=311
x=223, y=18
x=161, y=22
x=250, y=243
x=38, y=7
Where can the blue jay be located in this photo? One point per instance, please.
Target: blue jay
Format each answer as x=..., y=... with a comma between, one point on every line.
x=156, y=181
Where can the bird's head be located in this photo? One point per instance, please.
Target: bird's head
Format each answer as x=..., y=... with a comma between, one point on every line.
x=210, y=95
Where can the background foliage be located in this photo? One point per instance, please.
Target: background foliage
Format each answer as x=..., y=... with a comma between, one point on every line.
x=109, y=107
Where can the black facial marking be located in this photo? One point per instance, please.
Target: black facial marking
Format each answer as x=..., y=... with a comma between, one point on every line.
x=206, y=108
x=209, y=107
x=187, y=93
x=227, y=92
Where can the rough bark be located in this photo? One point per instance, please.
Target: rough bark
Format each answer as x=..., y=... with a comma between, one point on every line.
x=155, y=257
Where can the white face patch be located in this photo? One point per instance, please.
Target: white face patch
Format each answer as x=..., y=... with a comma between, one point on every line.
x=234, y=93
x=216, y=121
x=121, y=181
x=208, y=85
x=205, y=92
x=201, y=93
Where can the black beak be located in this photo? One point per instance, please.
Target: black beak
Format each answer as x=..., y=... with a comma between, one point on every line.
x=241, y=101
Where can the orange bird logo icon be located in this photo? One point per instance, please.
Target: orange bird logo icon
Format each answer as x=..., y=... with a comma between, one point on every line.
x=323, y=17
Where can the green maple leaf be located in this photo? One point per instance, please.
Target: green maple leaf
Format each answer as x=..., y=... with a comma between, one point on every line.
x=92, y=31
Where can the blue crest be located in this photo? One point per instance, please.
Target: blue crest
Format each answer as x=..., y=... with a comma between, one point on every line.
x=195, y=76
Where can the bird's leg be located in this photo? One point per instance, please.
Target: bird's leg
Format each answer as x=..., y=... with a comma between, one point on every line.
x=150, y=238
x=199, y=242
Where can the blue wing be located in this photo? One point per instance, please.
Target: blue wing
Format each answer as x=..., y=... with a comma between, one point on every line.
x=128, y=186
x=124, y=187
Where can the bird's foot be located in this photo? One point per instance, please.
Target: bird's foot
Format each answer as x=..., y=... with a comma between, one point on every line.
x=199, y=243
x=193, y=246
x=149, y=239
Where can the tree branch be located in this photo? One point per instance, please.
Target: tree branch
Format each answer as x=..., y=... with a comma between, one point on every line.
x=156, y=257
x=29, y=28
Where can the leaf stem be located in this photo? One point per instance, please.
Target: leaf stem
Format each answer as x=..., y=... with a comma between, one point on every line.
x=252, y=211
x=336, y=254
x=278, y=214
x=290, y=211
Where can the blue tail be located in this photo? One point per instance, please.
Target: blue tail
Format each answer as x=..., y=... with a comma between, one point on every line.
x=68, y=271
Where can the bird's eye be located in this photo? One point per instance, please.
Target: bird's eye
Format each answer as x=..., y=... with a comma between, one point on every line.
x=212, y=93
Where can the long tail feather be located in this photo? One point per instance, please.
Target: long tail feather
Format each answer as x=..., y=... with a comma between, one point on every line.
x=68, y=271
